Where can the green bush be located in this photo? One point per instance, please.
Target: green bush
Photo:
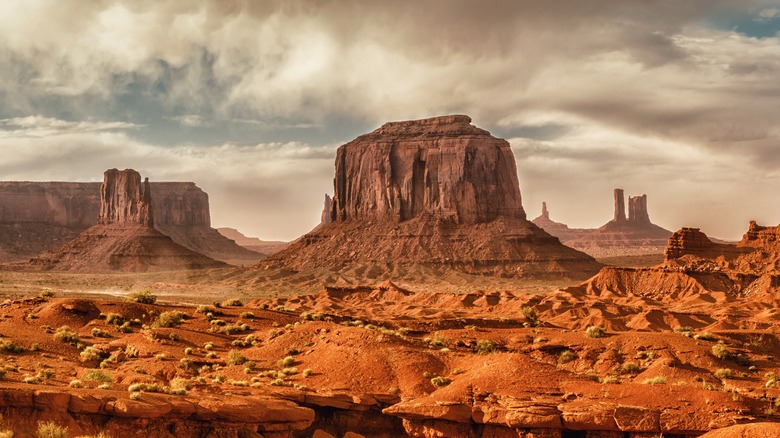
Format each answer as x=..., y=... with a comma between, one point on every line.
x=566, y=356
x=51, y=429
x=529, y=314
x=724, y=373
x=484, y=346
x=169, y=319
x=97, y=376
x=143, y=296
x=440, y=381
x=65, y=334
x=11, y=347
x=235, y=357
x=595, y=332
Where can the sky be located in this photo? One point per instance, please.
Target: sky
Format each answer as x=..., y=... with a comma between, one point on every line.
x=679, y=100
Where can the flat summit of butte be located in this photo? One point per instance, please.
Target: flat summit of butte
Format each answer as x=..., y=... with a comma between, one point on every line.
x=438, y=193
x=124, y=238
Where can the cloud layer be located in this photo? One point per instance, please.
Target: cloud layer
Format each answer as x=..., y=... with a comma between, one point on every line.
x=675, y=99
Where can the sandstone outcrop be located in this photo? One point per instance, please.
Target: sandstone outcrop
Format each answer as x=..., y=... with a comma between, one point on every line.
x=442, y=167
x=325, y=217
x=623, y=235
x=438, y=193
x=691, y=241
x=124, y=238
x=40, y=216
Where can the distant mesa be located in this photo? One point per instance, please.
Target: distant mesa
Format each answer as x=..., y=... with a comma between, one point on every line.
x=42, y=216
x=264, y=247
x=623, y=235
x=124, y=238
x=433, y=194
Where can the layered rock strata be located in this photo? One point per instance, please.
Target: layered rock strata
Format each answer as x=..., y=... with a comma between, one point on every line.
x=124, y=238
x=436, y=192
x=40, y=216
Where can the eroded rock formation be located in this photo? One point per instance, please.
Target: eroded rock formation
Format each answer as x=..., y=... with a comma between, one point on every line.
x=41, y=216
x=124, y=238
x=124, y=200
x=443, y=167
x=623, y=235
x=435, y=193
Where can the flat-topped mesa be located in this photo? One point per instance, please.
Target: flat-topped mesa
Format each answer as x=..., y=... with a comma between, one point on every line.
x=442, y=167
x=124, y=200
x=691, y=241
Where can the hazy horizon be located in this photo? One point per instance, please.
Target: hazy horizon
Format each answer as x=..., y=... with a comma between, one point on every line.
x=249, y=100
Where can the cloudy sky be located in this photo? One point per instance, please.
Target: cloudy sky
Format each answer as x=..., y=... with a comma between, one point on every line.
x=676, y=99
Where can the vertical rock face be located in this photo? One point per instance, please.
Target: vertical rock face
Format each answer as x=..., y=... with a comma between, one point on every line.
x=124, y=200
x=325, y=217
x=637, y=210
x=688, y=241
x=435, y=193
x=442, y=167
x=180, y=204
x=545, y=213
x=620, y=206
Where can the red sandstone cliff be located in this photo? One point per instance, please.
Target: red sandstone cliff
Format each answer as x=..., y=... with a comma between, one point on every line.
x=40, y=216
x=437, y=193
x=124, y=238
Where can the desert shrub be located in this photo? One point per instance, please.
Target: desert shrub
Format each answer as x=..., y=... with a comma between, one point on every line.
x=659, y=380
x=115, y=318
x=484, y=346
x=169, y=319
x=685, y=330
x=721, y=351
x=211, y=355
x=609, y=380
x=161, y=356
x=32, y=380
x=65, y=334
x=529, y=314
x=307, y=372
x=11, y=347
x=146, y=387
x=51, y=429
x=90, y=354
x=46, y=293
x=629, y=368
x=286, y=362
x=205, y=308
x=704, y=336
x=76, y=383
x=131, y=351
x=188, y=351
x=566, y=356
x=771, y=380
x=124, y=328
x=277, y=382
x=143, y=296
x=247, y=315
x=97, y=376
x=46, y=373
x=595, y=332
x=208, y=346
x=231, y=329
x=178, y=386
x=440, y=381
x=232, y=302
x=98, y=333
x=724, y=373
x=135, y=396
x=235, y=357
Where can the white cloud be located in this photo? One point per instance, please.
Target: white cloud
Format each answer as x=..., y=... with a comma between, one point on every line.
x=273, y=190
x=767, y=14
x=39, y=126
